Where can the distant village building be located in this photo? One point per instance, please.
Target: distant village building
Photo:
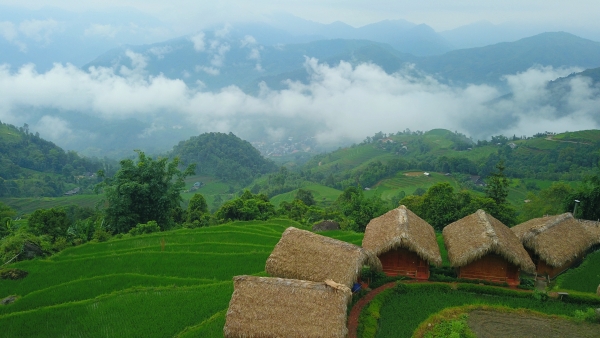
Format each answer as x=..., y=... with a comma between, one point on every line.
x=73, y=191
x=481, y=247
x=404, y=243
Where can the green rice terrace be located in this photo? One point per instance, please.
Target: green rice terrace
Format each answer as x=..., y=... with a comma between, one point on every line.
x=179, y=284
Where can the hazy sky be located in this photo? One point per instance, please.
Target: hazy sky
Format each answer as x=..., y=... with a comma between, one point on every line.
x=187, y=15
x=341, y=102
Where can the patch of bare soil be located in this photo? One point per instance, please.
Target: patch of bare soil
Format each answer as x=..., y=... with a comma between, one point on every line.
x=492, y=324
x=414, y=173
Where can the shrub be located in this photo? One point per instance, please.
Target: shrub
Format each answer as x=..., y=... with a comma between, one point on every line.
x=101, y=235
x=13, y=274
x=588, y=315
x=144, y=228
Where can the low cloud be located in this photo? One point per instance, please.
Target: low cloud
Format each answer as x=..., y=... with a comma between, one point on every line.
x=105, y=31
x=198, y=41
x=40, y=30
x=339, y=104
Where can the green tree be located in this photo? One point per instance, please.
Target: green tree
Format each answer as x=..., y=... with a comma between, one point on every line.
x=246, y=208
x=550, y=201
x=497, y=184
x=440, y=205
x=51, y=222
x=143, y=191
x=197, y=207
x=305, y=196
x=588, y=195
x=359, y=210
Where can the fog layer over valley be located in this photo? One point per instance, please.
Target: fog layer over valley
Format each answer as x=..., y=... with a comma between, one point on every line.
x=340, y=103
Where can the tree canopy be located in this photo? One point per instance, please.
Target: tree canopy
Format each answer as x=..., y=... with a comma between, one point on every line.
x=143, y=191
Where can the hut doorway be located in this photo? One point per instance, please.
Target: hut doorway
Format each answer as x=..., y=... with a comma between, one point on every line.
x=403, y=262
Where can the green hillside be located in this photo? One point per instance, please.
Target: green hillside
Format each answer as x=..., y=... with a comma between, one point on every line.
x=224, y=156
x=179, y=283
x=33, y=167
x=146, y=286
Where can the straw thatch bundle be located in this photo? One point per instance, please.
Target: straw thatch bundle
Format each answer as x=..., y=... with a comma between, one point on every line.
x=593, y=227
x=555, y=239
x=479, y=234
x=277, y=307
x=326, y=226
x=401, y=228
x=305, y=255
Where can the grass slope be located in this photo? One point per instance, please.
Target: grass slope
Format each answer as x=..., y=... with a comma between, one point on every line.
x=136, y=287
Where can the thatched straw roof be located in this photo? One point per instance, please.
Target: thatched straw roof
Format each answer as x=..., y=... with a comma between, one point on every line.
x=401, y=228
x=479, y=234
x=593, y=227
x=277, y=307
x=555, y=239
x=326, y=226
x=305, y=255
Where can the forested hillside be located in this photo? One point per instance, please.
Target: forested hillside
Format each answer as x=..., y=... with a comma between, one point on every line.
x=225, y=156
x=32, y=166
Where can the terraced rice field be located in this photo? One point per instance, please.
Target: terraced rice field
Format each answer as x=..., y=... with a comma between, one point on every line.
x=176, y=283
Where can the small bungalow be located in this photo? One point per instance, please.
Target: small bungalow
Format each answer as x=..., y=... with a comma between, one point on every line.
x=277, y=307
x=554, y=243
x=481, y=247
x=304, y=255
x=404, y=243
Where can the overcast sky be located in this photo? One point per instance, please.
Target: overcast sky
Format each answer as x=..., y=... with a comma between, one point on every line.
x=185, y=15
x=341, y=102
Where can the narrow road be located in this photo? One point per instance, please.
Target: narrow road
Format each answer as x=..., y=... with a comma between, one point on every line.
x=357, y=308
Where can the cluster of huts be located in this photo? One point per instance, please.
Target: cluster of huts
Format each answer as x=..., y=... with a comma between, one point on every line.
x=312, y=275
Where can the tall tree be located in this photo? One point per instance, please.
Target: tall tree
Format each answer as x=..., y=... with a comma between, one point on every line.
x=197, y=208
x=497, y=184
x=143, y=191
x=588, y=195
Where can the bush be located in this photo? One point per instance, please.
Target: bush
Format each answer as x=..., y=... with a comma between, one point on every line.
x=144, y=228
x=60, y=244
x=581, y=298
x=13, y=274
x=588, y=315
x=101, y=235
x=24, y=244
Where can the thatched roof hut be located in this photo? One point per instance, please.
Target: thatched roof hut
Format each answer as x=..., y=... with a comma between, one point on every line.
x=326, y=226
x=479, y=234
x=277, y=307
x=557, y=239
x=401, y=228
x=305, y=255
x=593, y=227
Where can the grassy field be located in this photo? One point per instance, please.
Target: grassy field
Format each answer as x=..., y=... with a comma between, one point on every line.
x=176, y=283
x=323, y=195
x=401, y=313
x=584, y=278
x=29, y=205
x=408, y=182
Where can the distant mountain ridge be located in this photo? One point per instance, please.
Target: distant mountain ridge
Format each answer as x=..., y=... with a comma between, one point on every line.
x=272, y=64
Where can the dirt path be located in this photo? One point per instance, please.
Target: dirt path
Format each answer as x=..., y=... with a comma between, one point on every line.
x=357, y=308
x=492, y=324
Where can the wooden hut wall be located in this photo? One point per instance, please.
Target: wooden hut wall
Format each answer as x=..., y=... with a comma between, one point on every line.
x=493, y=268
x=403, y=262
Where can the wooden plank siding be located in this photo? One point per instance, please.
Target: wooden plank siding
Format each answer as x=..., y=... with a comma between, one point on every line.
x=403, y=262
x=493, y=268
